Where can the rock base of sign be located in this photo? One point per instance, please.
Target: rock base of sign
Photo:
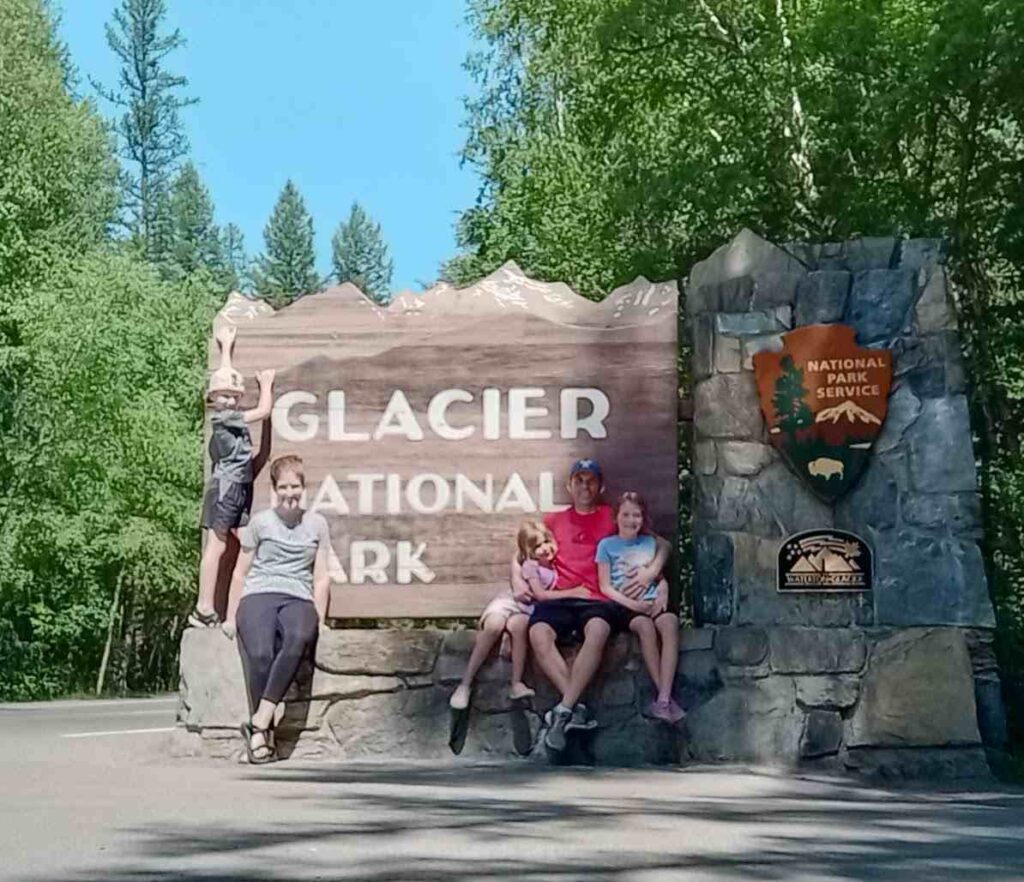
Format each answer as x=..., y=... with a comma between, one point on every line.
x=883, y=703
x=916, y=504
x=848, y=679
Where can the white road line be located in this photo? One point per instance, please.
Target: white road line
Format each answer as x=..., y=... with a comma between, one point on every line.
x=161, y=712
x=115, y=732
x=57, y=706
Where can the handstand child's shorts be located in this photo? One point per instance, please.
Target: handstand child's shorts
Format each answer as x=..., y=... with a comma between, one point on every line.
x=226, y=506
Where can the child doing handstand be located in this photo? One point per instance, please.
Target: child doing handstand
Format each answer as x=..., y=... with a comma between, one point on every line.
x=228, y=497
x=617, y=556
x=536, y=550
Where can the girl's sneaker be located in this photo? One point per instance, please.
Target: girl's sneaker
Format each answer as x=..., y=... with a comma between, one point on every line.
x=666, y=711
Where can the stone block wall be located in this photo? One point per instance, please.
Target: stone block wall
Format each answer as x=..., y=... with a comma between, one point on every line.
x=883, y=702
x=887, y=703
x=377, y=694
x=916, y=504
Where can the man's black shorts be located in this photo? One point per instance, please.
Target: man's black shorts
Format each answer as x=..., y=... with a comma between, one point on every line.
x=568, y=617
x=226, y=506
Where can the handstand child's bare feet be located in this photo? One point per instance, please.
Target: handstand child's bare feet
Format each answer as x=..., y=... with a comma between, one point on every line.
x=460, y=697
x=520, y=690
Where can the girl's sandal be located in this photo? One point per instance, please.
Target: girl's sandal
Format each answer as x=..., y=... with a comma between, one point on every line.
x=261, y=753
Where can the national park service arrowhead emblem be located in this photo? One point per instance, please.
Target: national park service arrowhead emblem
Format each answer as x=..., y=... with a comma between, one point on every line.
x=824, y=399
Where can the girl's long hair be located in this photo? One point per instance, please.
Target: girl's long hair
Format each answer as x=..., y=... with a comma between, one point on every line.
x=531, y=534
x=637, y=500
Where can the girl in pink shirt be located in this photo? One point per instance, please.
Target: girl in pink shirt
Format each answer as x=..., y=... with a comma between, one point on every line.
x=536, y=550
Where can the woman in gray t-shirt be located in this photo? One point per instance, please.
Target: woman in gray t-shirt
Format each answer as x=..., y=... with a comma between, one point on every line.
x=282, y=575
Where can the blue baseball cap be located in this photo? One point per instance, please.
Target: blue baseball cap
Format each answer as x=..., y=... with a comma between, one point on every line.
x=586, y=465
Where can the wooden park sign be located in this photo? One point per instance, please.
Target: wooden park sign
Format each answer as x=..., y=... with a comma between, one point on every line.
x=432, y=427
x=824, y=399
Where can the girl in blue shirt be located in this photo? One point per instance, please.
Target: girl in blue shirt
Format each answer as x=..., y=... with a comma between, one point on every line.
x=617, y=558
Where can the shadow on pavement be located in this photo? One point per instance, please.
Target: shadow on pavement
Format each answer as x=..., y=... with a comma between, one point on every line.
x=437, y=824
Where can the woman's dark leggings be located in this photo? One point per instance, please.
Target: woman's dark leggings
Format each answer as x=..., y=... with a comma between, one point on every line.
x=274, y=633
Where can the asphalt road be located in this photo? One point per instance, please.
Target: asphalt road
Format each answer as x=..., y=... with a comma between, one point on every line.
x=86, y=794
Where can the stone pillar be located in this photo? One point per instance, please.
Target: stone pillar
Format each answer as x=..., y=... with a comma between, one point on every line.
x=815, y=675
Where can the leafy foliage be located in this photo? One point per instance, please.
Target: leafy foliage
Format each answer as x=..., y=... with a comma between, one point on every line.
x=57, y=178
x=360, y=255
x=100, y=518
x=287, y=269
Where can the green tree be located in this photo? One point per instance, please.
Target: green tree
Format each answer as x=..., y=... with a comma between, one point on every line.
x=360, y=255
x=287, y=268
x=235, y=268
x=150, y=135
x=195, y=240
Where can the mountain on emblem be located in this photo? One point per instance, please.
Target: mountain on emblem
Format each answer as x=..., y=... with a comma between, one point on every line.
x=849, y=410
x=824, y=399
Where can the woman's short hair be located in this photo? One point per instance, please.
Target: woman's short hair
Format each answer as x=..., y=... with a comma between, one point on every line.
x=531, y=535
x=637, y=500
x=288, y=463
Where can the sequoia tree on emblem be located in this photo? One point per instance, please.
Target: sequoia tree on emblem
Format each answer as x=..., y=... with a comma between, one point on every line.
x=824, y=399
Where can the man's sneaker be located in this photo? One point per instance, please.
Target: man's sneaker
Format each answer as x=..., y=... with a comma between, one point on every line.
x=580, y=719
x=556, y=719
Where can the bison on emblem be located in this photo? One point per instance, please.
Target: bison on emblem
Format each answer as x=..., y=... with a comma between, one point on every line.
x=823, y=467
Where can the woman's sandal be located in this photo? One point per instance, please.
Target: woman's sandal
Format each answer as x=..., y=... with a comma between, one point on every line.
x=262, y=753
x=199, y=619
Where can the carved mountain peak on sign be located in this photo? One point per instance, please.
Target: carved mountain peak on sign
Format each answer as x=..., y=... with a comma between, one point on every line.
x=242, y=308
x=507, y=291
x=849, y=411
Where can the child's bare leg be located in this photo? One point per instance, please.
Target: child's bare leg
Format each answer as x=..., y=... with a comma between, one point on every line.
x=234, y=596
x=517, y=627
x=643, y=627
x=667, y=625
x=549, y=659
x=208, y=568
x=486, y=637
x=226, y=335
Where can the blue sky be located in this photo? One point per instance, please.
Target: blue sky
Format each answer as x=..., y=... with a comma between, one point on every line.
x=353, y=100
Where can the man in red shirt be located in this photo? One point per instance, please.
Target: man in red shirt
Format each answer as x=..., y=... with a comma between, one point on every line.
x=575, y=607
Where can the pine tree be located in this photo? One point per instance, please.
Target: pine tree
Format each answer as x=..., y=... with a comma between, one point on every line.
x=235, y=271
x=150, y=135
x=789, y=400
x=360, y=255
x=195, y=240
x=287, y=270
